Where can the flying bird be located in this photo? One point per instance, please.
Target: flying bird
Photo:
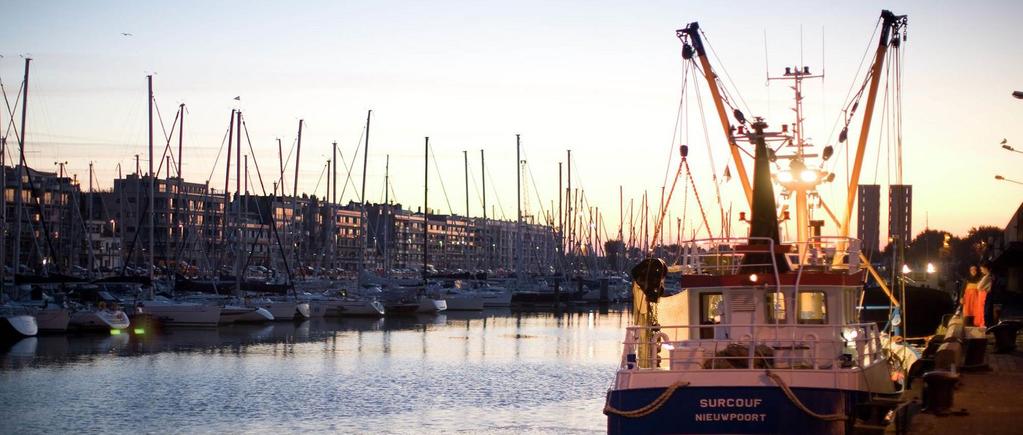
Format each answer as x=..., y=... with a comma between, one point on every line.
x=126, y=34
x=1004, y=141
x=238, y=98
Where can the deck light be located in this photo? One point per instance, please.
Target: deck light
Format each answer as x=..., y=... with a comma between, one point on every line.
x=906, y=269
x=930, y=268
x=753, y=277
x=808, y=176
x=785, y=177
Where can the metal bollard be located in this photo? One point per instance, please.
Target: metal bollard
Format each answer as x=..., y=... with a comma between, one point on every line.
x=1005, y=335
x=939, y=391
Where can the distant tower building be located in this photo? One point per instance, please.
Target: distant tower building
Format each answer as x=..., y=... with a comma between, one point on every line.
x=868, y=228
x=900, y=211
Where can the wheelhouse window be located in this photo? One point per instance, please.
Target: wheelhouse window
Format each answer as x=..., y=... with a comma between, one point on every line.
x=813, y=308
x=775, y=307
x=711, y=307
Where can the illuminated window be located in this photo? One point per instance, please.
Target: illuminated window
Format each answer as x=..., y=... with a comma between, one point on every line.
x=813, y=308
x=711, y=308
x=775, y=307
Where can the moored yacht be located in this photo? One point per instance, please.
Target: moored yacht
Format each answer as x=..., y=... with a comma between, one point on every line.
x=173, y=313
x=16, y=323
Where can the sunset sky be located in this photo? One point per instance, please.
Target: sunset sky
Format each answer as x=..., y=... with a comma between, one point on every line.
x=600, y=78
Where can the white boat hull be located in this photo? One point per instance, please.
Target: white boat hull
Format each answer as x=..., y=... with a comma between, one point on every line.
x=427, y=305
x=282, y=310
x=182, y=314
x=362, y=308
x=99, y=320
x=496, y=300
x=52, y=319
x=464, y=302
x=318, y=308
x=18, y=326
x=240, y=314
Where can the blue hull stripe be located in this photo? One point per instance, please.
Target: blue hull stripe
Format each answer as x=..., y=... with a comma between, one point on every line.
x=732, y=410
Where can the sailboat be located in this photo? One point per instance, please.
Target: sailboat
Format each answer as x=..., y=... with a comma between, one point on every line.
x=764, y=336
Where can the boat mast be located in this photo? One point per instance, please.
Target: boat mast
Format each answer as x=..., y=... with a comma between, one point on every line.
x=152, y=188
x=294, y=195
x=568, y=205
x=362, y=211
x=486, y=233
x=890, y=23
x=237, y=207
x=333, y=206
x=693, y=32
x=227, y=180
x=465, y=243
x=518, y=208
x=22, y=172
x=426, y=210
x=387, y=212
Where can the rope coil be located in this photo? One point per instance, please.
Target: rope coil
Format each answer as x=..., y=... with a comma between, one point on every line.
x=649, y=408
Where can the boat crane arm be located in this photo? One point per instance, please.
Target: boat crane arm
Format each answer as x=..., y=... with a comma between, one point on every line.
x=692, y=33
x=890, y=25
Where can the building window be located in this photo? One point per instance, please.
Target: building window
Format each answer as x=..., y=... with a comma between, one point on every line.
x=813, y=308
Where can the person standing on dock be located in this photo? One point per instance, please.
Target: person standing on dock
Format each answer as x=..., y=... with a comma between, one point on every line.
x=970, y=298
x=984, y=295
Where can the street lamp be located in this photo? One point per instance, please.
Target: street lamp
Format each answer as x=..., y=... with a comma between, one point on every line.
x=999, y=177
x=1006, y=146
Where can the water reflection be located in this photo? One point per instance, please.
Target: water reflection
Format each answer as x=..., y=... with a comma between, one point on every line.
x=494, y=370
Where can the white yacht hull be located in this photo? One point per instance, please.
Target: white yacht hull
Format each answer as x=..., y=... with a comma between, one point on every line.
x=18, y=326
x=99, y=320
x=428, y=305
x=496, y=299
x=52, y=319
x=240, y=314
x=318, y=308
x=362, y=308
x=182, y=314
x=464, y=302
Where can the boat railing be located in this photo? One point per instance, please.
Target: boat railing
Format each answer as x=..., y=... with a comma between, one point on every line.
x=824, y=254
x=770, y=346
x=735, y=255
x=726, y=255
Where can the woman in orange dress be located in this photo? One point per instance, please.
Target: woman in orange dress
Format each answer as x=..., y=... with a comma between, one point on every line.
x=972, y=305
x=983, y=289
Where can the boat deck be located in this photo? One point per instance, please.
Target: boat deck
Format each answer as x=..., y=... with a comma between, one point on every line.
x=990, y=398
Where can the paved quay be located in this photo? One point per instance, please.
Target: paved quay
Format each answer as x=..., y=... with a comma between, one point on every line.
x=987, y=402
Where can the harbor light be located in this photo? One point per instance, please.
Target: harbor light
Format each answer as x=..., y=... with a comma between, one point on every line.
x=906, y=269
x=808, y=176
x=785, y=177
x=930, y=268
x=139, y=331
x=753, y=277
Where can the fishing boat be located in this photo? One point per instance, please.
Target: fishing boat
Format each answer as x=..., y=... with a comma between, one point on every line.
x=764, y=336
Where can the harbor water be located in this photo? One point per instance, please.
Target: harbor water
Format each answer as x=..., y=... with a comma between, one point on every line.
x=494, y=371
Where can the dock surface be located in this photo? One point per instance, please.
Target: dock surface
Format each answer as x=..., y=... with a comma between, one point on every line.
x=986, y=401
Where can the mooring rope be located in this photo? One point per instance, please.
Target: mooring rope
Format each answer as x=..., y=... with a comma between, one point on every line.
x=795, y=400
x=648, y=409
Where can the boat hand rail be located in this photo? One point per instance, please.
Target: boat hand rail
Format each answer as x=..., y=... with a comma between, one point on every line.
x=767, y=346
x=725, y=255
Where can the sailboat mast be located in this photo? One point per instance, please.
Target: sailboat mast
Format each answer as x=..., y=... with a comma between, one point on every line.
x=426, y=209
x=152, y=186
x=333, y=206
x=294, y=193
x=387, y=213
x=23, y=172
x=518, y=208
x=568, y=205
x=465, y=157
x=227, y=178
x=237, y=207
x=363, y=240
x=486, y=241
